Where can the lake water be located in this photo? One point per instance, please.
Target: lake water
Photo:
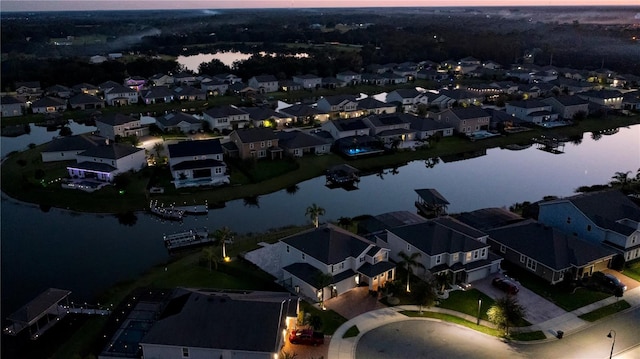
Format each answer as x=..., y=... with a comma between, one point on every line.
x=87, y=253
x=192, y=62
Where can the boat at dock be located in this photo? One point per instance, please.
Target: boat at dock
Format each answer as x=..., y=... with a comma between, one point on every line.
x=192, y=237
x=171, y=212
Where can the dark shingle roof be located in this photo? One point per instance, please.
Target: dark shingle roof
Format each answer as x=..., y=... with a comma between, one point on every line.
x=224, y=111
x=9, y=100
x=115, y=119
x=218, y=320
x=528, y=104
x=548, y=245
x=112, y=151
x=469, y=112
x=407, y=93
x=157, y=92
x=84, y=98
x=350, y=124
x=73, y=143
x=432, y=196
x=388, y=220
x=247, y=135
x=372, y=270
x=338, y=99
x=369, y=103
x=390, y=119
x=299, y=110
x=329, y=244
x=439, y=236
x=119, y=89
x=93, y=166
x=488, y=218
x=266, y=78
x=195, y=148
x=426, y=124
x=48, y=101
x=174, y=118
x=261, y=113
x=197, y=164
x=298, y=139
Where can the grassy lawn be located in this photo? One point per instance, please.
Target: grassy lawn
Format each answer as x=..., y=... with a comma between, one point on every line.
x=453, y=319
x=561, y=294
x=528, y=336
x=351, y=332
x=632, y=270
x=467, y=302
x=606, y=311
x=330, y=319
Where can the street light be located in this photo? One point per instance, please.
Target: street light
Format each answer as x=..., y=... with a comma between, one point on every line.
x=479, y=305
x=614, y=341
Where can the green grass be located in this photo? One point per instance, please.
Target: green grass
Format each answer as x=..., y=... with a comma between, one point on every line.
x=606, y=311
x=330, y=319
x=632, y=270
x=453, y=319
x=528, y=336
x=467, y=302
x=351, y=332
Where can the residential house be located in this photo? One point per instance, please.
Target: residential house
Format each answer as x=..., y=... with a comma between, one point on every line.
x=264, y=83
x=297, y=143
x=407, y=99
x=373, y=79
x=349, y=77
x=547, y=252
x=467, y=65
x=631, y=101
x=118, y=95
x=255, y=143
x=568, y=106
x=105, y=161
x=157, y=94
x=197, y=163
x=58, y=91
x=463, y=97
x=11, y=106
x=28, y=91
x=502, y=121
x=332, y=83
x=390, y=128
x=68, y=147
x=84, y=101
x=466, y=120
x=189, y=93
x=48, y=105
x=533, y=111
x=446, y=246
x=184, y=78
x=369, y=106
x=115, y=125
x=605, y=98
x=290, y=85
x=135, y=83
x=304, y=114
x=161, y=80
x=214, y=324
x=350, y=261
x=394, y=78
x=571, y=86
x=226, y=118
x=266, y=117
x=407, y=72
x=380, y=223
x=179, y=122
x=607, y=217
x=308, y=81
x=227, y=78
x=339, y=106
x=432, y=74
x=485, y=219
x=214, y=86
x=492, y=65
x=97, y=59
x=346, y=128
x=426, y=127
x=523, y=75
x=507, y=87
x=86, y=88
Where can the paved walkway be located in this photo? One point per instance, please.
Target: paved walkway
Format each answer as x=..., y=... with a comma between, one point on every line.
x=345, y=348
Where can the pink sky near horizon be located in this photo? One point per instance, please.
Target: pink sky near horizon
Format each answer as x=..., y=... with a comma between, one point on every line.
x=61, y=5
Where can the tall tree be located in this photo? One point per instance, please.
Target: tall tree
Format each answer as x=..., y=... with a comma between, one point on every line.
x=314, y=212
x=222, y=235
x=409, y=262
x=621, y=178
x=210, y=254
x=424, y=294
x=506, y=312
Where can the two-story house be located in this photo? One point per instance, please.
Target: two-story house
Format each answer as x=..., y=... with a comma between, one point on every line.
x=197, y=163
x=567, y=107
x=349, y=260
x=604, y=98
x=161, y=80
x=105, y=161
x=532, y=111
x=349, y=77
x=118, y=125
x=10, y=106
x=466, y=120
x=607, y=217
x=264, y=83
x=446, y=246
x=370, y=105
x=308, y=81
x=390, y=128
x=179, y=122
x=226, y=118
x=118, y=95
x=255, y=143
x=406, y=98
x=346, y=128
x=339, y=106
x=304, y=114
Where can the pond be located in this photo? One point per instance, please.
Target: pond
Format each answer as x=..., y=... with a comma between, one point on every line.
x=191, y=62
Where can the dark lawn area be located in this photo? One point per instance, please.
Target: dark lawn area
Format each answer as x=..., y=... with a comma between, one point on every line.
x=606, y=311
x=632, y=270
x=330, y=319
x=467, y=302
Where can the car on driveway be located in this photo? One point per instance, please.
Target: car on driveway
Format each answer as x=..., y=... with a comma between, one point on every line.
x=306, y=336
x=505, y=285
x=609, y=282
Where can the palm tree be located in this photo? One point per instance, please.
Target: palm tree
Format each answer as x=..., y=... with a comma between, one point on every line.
x=222, y=235
x=424, y=294
x=442, y=280
x=211, y=256
x=621, y=178
x=345, y=222
x=314, y=212
x=409, y=262
x=322, y=281
x=506, y=312
x=158, y=147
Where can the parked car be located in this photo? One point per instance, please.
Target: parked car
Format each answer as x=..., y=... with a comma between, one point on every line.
x=505, y=285
x=306, y=336
x=609, y=282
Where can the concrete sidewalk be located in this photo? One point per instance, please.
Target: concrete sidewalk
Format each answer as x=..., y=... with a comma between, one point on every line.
x=345, y=348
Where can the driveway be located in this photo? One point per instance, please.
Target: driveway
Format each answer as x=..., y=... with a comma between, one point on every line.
x=354, y=302
x=538, y=309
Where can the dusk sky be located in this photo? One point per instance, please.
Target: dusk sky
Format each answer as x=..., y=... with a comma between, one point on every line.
x=52, y=5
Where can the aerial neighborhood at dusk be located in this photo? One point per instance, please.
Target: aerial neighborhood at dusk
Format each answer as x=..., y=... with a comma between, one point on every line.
x=308, y=180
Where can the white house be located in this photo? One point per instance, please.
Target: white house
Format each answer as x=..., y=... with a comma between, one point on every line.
x=117, y=124
x=264, y=83
x=105, y=161
x=346, y=128
x=308, y=81
x=118, y=95
x=197, y=163
x=533, y=111
x=226, y=118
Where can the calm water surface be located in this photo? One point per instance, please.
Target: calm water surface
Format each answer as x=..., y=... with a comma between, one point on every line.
x=192, y=62
x=87, y=253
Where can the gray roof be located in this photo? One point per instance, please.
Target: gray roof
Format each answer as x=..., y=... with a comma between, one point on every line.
x=197, y=164
x=8, y=100
x=528, y=104
x=390, y=119
x=338, y=99
x=195, y=148
x=84, y=98
x=93, y=166
x=407, y=93
x=38, y=305
x=224, y=111
x=432, y=196
x=115, y=119
x=157, y=92
x=247, y=135
x=266, y=78
x=548, y=245
x=218, y=320
x=73, y=143
x=329, y=244
x=309, y=274
x=298, y=139
x=426, y=124
x=350, y=124
x=174, y=118
x=112, y=151
x=603, y=94
x=188, y=91
x=440, y=235
x=606, y=208
x=119, y=89
x=299, y=110
x=372, y=270
x=261, y=113
x=469, y=112
x=48, y=101
x=459, y=94
x=388, y=220
x=488, y=218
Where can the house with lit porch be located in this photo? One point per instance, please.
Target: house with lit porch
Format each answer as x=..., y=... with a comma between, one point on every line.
x=197, y=163
x=105, y=161
x=329, y=251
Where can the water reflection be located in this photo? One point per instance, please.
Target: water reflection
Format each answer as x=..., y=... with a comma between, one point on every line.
x=192, y=62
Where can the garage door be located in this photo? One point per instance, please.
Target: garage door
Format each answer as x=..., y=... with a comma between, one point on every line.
x=477, y=274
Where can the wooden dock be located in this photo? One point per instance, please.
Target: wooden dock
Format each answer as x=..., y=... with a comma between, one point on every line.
x=190, y=238
x=170, y=212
